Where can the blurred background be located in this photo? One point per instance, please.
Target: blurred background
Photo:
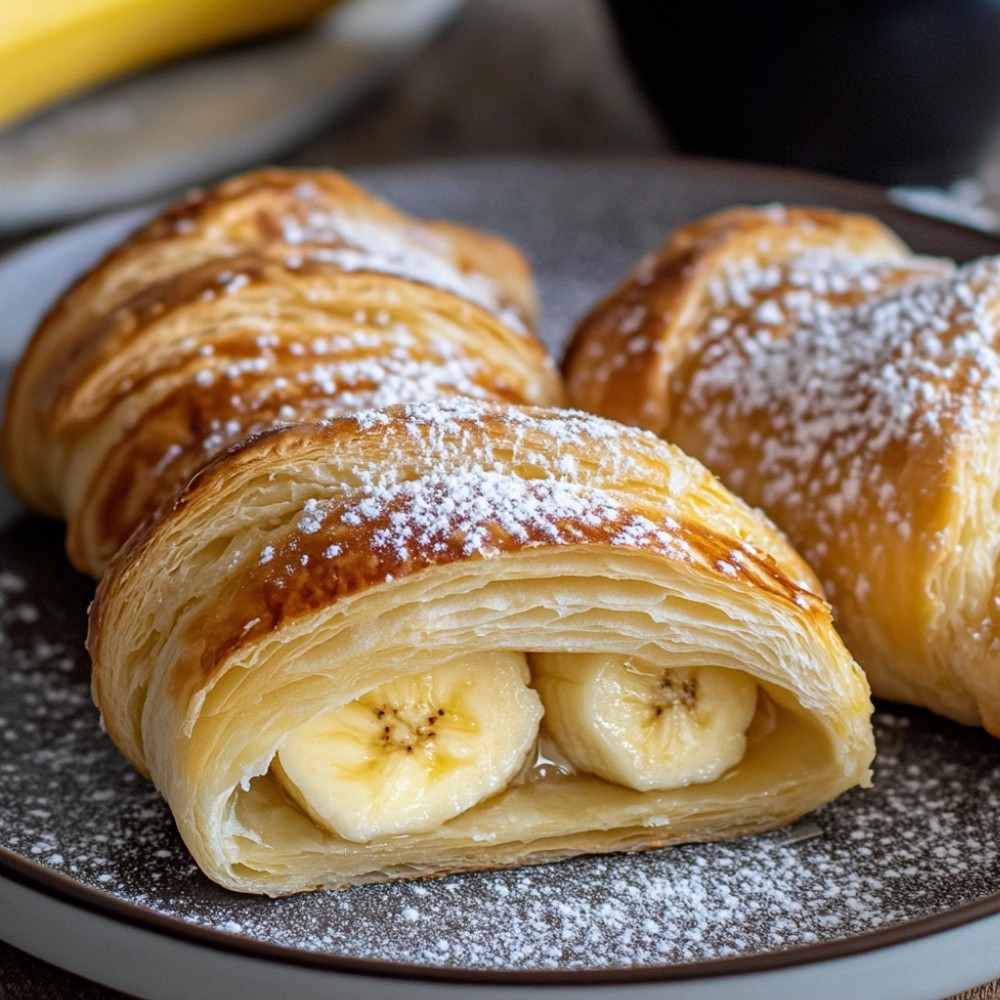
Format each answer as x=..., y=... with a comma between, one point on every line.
x=106, y=103
x=141, y=98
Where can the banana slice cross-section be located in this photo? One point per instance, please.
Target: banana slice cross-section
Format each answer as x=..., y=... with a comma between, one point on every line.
x=641, y=725
x=410, y=754
x=277, y=649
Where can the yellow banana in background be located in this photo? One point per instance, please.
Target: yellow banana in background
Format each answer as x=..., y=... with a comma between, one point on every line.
x=50, y=49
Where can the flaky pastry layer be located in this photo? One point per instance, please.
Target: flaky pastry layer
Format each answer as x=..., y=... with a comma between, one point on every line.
x=319, y=561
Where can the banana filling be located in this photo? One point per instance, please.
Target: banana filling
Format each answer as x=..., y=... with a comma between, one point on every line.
x=409, y=755
x=644, y=726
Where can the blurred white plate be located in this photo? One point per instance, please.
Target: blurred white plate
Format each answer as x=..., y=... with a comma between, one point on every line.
x=196, y=119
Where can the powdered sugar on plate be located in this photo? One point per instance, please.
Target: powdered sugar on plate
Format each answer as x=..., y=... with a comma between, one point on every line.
x=921, y=842
x=918, y=844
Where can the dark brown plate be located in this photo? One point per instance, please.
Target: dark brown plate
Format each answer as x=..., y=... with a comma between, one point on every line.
x=892, y=892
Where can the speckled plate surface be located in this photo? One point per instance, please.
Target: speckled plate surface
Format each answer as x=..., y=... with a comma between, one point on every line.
x=891, y=892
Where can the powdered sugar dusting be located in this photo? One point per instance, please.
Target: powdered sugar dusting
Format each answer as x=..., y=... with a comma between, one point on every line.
x=541, y=443
x=845, y=362
x=478, y=512
x=457, y=478
x=427, y=514
x=324, y=379
x=354, y=243
x=319, y=359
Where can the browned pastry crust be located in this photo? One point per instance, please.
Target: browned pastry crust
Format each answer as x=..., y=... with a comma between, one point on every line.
x=852, y=390
x=316, y=561
x=278, y=296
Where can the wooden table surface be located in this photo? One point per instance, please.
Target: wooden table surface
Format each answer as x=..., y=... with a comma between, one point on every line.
x=506, y=77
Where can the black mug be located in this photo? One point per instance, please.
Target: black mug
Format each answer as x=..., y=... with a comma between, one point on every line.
x=889, y=91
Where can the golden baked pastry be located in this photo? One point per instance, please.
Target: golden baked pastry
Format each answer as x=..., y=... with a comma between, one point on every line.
x=463, y=634
x=277, y=296
x=366, y=614
x=852, y=390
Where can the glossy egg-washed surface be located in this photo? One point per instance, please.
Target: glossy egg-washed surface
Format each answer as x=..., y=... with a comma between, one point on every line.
x=918, y=845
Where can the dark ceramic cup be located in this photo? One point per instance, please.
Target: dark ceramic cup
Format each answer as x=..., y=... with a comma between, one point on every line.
x=890, y=91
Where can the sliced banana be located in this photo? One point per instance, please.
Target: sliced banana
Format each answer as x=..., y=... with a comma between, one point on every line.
x=410, y=754
x=644, y=726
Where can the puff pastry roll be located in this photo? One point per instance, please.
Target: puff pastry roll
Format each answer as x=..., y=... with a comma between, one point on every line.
x=275, y=297
x=459, y=635
x=852, y=390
